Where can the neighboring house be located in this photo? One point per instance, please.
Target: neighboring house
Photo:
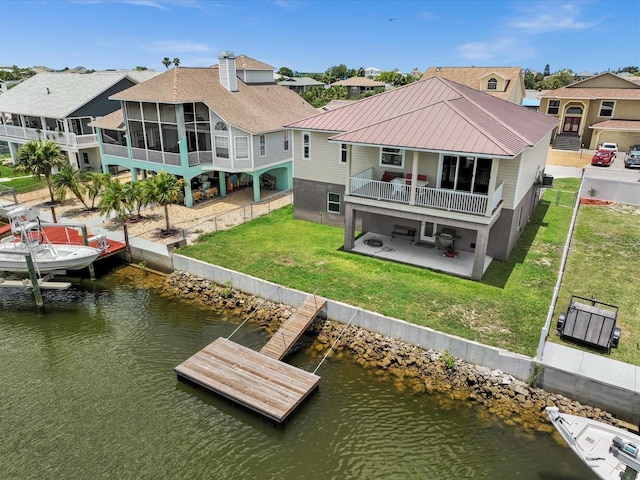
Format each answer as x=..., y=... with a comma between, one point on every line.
x=604, y=108
x=5, y=85
x=477, y=160
x=217, y=127
x=358, y=86
x=583, y=75
x=300, y=84
x=372, y=72
x=59, y=107
x=506, y=83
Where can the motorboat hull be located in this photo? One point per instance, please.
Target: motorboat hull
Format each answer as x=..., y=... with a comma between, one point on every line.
x=47, y=258
x=592, y=442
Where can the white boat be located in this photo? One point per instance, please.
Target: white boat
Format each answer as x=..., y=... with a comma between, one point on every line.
x=610, y=452
x=27, y=237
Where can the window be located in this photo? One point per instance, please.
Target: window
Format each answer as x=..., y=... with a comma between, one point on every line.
x=344, y=152
x=466, y=174
x=554, y=107
x=492, y=84
x=391, y=157
x=333, y=202
x=85, y=157
x=606, y=109
x=286, y=140
x=221, y=126
x=242, y=147
x=222, y=147
x=263, y=145
x=306, y=145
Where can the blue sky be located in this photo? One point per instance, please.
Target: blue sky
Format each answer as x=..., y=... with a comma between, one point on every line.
x=311, y=36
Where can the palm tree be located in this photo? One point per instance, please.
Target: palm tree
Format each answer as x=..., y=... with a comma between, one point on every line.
x=176, y=62
x=95, y=182
x=164, y=189
x=113, y=199
x=40, y=157
x=68, y=178
x=135, y=198
x=166, y=62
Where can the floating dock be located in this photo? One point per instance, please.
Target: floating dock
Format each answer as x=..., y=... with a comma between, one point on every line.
x=259, y=381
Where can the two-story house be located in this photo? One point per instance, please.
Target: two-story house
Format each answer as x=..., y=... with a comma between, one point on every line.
x=430, y=158
x=59, y=107
x=604, y=108
x=218, y=128
x=506, y=83
x=301, y=85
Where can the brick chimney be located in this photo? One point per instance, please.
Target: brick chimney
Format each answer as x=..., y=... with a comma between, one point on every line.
x=227, y=68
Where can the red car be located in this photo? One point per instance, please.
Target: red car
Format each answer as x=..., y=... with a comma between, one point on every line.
x=603, y=157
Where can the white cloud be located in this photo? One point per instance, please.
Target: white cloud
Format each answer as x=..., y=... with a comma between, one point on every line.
x=506, y=50
x=171, y=47
x=566, y=17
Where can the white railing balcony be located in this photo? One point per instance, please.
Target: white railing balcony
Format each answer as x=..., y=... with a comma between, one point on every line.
x=115, y=150
x=86, y=139
x=363, y=185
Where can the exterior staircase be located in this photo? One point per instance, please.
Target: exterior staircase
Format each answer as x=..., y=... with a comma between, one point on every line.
x=566, y=141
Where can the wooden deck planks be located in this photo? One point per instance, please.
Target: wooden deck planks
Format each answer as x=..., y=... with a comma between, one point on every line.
x=291, y=331
x=256, y=381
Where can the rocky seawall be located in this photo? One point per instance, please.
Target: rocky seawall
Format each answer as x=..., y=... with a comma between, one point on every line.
x=410, y=367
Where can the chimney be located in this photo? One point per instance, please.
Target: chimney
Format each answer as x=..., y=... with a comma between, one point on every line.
x=227, y=67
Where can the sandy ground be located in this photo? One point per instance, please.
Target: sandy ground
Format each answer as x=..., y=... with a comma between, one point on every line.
x=206, y=216
x=209, y=215
x=564, y=158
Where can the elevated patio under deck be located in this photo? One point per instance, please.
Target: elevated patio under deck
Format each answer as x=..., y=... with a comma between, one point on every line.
x=363, y=185
x=402, y=250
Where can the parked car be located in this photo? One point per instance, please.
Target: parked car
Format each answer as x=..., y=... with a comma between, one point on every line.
x=632, y=158
x=603, y=157
x=613, y=147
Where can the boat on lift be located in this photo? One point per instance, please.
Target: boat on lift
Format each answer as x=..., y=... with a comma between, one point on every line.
x=610, y=452
x=28, y=237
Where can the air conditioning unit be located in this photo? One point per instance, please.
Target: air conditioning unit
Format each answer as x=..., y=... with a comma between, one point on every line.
x=547, y=180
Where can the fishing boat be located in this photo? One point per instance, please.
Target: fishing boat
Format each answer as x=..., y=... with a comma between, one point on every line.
x=28, y=237
x=610, y=452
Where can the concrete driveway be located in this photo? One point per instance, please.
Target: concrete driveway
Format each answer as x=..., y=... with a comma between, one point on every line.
x=615, y=171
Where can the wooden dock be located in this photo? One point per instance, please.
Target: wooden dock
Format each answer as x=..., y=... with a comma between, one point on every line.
x=291, y=331
x=259, y=381
x=60, y=233
x=265, y=385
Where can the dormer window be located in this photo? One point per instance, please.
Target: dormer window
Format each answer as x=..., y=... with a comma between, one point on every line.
x=492, y=84
x=221, y=126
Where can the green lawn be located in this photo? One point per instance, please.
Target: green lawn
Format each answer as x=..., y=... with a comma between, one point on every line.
x=22, y=184
x=604, y=262
x=507, y=309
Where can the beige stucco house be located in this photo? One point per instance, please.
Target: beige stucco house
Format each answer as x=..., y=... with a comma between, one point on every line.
x=506, y=83
x=604, y=108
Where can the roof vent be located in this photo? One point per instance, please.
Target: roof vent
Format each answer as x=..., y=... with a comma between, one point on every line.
x=227, y=71
x=48, y=92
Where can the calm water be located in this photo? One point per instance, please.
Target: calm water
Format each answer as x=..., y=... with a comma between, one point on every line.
x=88, y=391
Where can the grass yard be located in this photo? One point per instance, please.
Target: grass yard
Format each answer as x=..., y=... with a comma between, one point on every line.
x=604, y=262
x=507, y=309
x=21, y=183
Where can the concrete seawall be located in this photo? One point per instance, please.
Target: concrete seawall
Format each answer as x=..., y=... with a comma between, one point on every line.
x=622, y=401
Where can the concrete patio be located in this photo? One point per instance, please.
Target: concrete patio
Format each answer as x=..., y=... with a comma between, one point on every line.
x=419, y=254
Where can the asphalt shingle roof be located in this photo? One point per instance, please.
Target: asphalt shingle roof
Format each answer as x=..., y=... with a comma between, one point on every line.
x=255, y=108
x=57, y=95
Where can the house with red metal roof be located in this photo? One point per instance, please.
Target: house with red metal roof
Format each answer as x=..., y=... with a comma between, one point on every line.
x=434, y=173
x=604, y=108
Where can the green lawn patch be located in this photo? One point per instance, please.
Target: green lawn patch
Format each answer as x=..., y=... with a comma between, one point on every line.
x=507, y=309
x=604, y=262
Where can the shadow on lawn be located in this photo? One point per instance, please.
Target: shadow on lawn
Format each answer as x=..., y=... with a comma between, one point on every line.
x=498, y=273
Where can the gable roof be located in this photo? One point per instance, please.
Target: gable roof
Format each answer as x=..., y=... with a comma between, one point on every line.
x=255, y=108
x=57, y=95
x=243, y=62
x=301, y=82
x=471, y=76
x=435, y=114
x=606, y=86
